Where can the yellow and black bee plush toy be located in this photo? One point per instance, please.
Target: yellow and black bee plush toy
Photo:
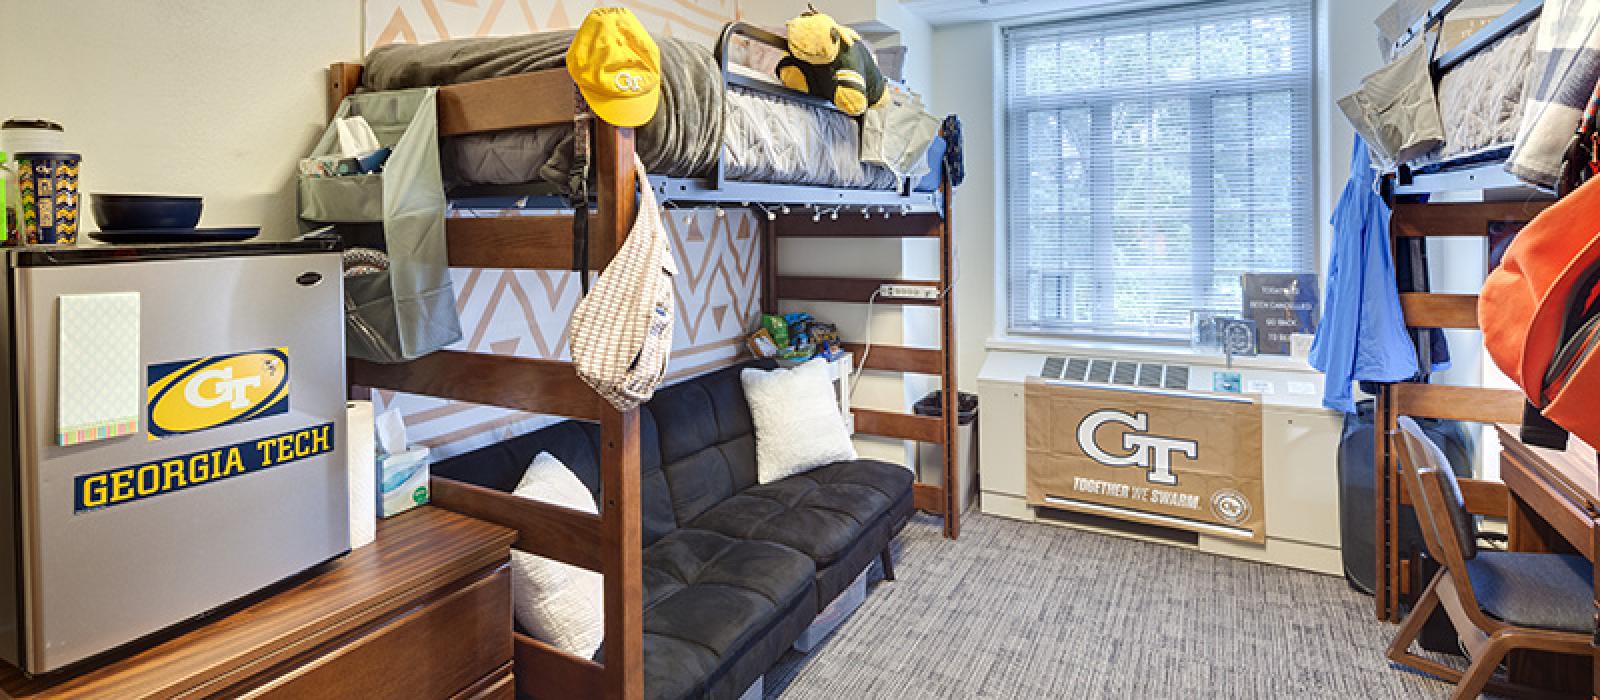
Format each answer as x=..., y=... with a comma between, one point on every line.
x=830, y=61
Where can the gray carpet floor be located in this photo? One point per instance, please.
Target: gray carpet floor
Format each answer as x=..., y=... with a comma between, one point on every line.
x=1023, y=610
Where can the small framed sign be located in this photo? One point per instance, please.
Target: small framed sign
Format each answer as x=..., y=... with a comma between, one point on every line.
x=1281, y=305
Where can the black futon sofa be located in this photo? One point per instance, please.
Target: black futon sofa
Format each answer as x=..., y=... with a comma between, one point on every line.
x=734, y=571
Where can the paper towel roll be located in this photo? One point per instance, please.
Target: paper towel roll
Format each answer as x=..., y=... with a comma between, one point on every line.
x=363, y=473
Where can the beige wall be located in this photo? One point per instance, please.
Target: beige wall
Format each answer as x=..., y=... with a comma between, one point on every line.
x=218, y=98
x=1348, y=53
x=966, y=56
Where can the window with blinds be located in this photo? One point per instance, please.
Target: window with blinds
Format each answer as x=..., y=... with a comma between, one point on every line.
x=1153, y=158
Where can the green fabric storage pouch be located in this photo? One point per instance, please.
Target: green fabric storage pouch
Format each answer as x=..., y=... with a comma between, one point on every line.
x=409, y=310
x=345, y=199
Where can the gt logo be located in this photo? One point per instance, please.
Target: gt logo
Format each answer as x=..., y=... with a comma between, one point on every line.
x=224, y=389
x=1151, y=452
x=628, y=82
x=188, y=396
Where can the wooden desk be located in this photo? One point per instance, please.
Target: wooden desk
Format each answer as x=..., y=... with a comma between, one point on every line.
x=1555, y=495
x=1555, y=507
x=423, y=612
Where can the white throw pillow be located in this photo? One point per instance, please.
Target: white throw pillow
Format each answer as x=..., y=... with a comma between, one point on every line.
x=557, y=603
x=796, y=414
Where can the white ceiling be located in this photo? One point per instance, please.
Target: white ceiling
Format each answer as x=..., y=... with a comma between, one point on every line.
x=938, y=12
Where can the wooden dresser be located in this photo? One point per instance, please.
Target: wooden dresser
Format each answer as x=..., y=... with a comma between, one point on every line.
x=423, y=612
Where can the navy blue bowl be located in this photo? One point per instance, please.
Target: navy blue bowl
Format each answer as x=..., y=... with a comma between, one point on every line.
x=117, y=212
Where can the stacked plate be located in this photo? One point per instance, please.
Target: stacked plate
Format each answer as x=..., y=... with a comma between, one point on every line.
x=155, y=218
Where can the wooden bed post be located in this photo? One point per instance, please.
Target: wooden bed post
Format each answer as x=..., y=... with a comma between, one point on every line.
x=621, y=559
x=622, y=563
x=769, y=266
x=950, y=392
x=1386, y=596
x=616, y=192
x=343, y=79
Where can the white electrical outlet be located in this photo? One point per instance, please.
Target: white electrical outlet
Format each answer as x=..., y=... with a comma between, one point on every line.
x=908, y=291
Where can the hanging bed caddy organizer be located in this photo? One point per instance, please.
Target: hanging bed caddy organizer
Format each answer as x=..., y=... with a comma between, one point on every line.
x=408, y=310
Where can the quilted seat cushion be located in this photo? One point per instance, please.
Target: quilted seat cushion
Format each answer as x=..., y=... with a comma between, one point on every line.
x=709, y=598
x=1547, y=591
x=820, y=512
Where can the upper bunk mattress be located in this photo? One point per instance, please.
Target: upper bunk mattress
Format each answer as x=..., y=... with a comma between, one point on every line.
x=1480, y=99
x=767, y=139
x=682, y=144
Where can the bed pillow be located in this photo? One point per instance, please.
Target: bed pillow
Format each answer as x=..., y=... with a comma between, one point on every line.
x=557, y=603
x=797, y=421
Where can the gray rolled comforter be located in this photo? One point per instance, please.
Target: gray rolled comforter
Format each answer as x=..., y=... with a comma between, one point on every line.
x=681, y=141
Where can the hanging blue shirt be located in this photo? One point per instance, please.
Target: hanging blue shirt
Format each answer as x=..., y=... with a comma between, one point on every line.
x=1363, y=335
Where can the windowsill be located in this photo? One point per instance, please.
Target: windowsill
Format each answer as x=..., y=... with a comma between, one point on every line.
x=1143, y=351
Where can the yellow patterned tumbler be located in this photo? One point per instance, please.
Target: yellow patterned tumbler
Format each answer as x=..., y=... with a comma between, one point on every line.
x=47, y=184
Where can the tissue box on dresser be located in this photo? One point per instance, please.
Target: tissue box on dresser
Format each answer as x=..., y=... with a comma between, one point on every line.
x=403, y=481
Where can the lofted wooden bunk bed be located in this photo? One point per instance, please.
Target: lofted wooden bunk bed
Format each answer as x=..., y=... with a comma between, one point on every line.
x=610, y=543
x=1398, y=578
x=1417, y=216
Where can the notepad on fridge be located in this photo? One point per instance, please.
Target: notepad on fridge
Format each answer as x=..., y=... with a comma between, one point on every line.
x=97, y=368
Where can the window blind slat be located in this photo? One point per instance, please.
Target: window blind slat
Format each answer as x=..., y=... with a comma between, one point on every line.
x=1153, y=158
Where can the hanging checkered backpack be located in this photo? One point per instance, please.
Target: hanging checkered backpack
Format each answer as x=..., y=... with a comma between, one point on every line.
x=622, y=330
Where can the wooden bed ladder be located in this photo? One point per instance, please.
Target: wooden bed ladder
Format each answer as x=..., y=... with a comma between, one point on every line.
x=1411, y=221
x=940, y=362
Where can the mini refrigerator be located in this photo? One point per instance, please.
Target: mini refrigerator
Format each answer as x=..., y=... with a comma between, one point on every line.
x=171, y=437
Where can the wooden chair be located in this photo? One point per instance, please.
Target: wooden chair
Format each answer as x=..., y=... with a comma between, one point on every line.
x=1497, y=601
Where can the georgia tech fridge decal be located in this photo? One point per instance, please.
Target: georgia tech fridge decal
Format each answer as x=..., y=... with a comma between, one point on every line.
x=1187, y=460
x=199, y=394
x=114, y=487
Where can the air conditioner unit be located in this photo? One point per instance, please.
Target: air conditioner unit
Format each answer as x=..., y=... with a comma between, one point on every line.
x=1300, y=442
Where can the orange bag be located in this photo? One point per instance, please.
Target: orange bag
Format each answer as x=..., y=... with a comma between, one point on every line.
x=1540, y=316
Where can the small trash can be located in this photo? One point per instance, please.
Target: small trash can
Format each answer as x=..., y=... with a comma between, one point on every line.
x=930, y=458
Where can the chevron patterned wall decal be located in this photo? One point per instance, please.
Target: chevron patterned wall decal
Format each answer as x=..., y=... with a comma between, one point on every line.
x=525, y=313
x=413, y=21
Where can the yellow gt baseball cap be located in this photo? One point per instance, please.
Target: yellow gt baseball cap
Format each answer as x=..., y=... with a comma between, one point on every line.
x=617, y=67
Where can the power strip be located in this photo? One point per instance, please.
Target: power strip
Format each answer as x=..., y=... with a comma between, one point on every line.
x=908, y=291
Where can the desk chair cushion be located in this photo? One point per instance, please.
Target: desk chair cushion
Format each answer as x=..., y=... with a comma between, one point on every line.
x=1546, y=591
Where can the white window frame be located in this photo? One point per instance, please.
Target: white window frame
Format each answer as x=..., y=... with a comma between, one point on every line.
x=1307, y=207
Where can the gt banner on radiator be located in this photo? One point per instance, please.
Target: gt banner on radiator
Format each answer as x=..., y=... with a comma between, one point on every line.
x=1189, y=460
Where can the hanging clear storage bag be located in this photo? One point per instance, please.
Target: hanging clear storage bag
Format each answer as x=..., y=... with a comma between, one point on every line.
x=408, y=310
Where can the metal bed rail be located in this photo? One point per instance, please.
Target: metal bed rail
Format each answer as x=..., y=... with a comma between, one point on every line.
x=1515, y=17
